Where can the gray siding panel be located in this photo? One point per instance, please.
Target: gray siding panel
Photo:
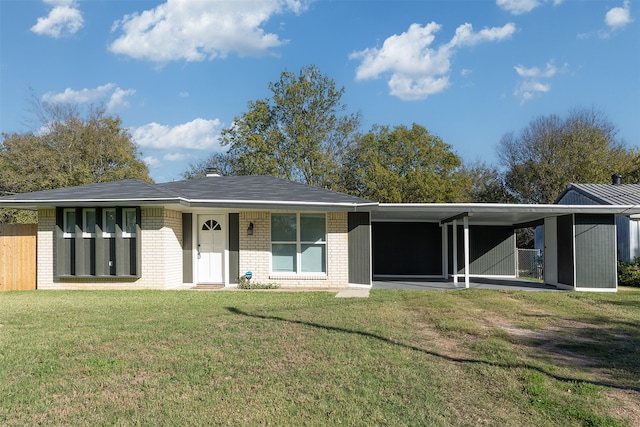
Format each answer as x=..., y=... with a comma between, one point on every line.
x=234, y=247
x=572, y=197
x=595, y=251
x=187, y=248
x=491, y=250
x=359, y=226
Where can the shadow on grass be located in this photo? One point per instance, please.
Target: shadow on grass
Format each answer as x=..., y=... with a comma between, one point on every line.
x=237, y=311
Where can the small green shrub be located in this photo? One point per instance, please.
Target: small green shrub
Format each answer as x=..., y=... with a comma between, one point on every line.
x=629, y=273
x=248, y=284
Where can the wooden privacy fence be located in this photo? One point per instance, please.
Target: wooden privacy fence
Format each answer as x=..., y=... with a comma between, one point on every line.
x=18, y=257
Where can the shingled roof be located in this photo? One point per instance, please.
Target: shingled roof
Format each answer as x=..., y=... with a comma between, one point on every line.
x=606, y=194
x=226, y=191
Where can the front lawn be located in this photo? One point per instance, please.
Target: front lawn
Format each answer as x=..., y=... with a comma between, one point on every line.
x=470, y=357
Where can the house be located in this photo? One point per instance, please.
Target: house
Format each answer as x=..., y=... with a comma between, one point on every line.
x=616, y=193
x=131, y=234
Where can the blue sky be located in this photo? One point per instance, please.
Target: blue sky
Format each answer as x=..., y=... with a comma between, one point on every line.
x=178, y=72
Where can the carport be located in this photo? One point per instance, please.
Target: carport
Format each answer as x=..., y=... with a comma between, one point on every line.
x=431, y=242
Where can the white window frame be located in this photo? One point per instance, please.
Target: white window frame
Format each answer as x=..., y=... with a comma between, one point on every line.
x=85, y=224
x=106, y=234
x=298, y=244
x=65, y=223
x=126, y=234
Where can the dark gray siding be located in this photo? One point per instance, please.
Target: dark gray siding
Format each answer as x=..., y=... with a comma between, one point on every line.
x=491, y=250
x=595, y=251
x=234, y=247
x=407, y=248
x=97, y=256
x=565, y=250
x=359, y=225
x=187, y=248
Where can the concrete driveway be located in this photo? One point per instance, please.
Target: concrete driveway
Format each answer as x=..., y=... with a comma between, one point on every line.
x=476, y=283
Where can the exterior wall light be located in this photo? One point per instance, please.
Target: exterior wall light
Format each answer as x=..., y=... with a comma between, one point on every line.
x=250, y=229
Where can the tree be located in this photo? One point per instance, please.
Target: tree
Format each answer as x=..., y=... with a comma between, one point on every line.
x=404, y=165
x=552, y=152
x=223, y=162
x=486, y=184
x=67, y=150
x=299, y=133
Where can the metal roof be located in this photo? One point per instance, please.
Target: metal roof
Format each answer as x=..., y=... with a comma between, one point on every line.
x=606, y=194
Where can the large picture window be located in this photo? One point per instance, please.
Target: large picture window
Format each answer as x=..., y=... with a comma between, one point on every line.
x=298, y=243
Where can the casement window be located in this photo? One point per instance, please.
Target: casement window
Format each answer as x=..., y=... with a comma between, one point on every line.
x=298, y=243
x=88, y=223
x=108, y=223
x=129, y=223
x=69, y=223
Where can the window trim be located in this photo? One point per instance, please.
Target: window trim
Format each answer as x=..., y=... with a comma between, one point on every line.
x=127, y=234
x=85, y=224
x=65, y=223
x=106, y=234
x=298, y=243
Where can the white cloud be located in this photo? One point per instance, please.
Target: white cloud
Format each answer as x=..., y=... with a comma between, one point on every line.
x=201, y=30
x=518, y=7
x=417, y=69
x=175, y=157
x=198, y=134
x=532, y=84
x=64, y=19
x=619, y=17
x=151, y=161
x=183, y=94
x=110, y=93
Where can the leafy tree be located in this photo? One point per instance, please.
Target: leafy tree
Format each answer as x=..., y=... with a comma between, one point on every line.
x=299, y=133
x=67, y=150
x=221, y=161
x=486, y=185
x=404, y=165
x=552, y=152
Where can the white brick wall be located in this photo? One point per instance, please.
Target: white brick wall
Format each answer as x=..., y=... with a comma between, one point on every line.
x=161, y=241
x=255, y=253
x=45, y=255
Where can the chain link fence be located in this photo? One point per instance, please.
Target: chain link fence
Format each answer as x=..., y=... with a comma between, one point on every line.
x=530, y=263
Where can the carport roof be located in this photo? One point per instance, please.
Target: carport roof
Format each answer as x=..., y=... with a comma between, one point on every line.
x=490, y=213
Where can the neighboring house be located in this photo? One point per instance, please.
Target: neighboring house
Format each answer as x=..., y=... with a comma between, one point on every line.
x=616, y=193
x=132, y=234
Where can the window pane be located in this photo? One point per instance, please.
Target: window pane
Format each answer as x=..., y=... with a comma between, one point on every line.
x=313, y=259
x=129, y=221
x=89, y=225
x=312, y=228
x=283, y=227
x=70, y=221
x=283, y=258
x=109, y=221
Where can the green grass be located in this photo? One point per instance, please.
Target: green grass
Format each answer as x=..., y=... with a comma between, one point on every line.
x=462, y=358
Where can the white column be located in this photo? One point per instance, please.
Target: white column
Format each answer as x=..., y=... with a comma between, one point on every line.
x=465, y=222
x=455, y=252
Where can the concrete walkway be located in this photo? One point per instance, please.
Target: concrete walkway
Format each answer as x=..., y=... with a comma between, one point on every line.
x=353, y=293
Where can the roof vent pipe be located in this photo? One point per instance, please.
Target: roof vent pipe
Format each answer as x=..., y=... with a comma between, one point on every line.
x=616, y=179
x=209, y=172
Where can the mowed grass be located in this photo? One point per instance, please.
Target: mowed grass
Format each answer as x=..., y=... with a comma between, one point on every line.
x=437, y=358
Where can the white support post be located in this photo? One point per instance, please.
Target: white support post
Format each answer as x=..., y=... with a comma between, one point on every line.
x=465, y=222
x=455, y=252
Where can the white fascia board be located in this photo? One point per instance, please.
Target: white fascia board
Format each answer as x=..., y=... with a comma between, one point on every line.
x=266, y=204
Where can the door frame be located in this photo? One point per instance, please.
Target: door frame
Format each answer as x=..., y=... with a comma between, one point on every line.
x=223, y=220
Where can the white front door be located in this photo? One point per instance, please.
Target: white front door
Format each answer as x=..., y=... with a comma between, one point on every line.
x=211, y=245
